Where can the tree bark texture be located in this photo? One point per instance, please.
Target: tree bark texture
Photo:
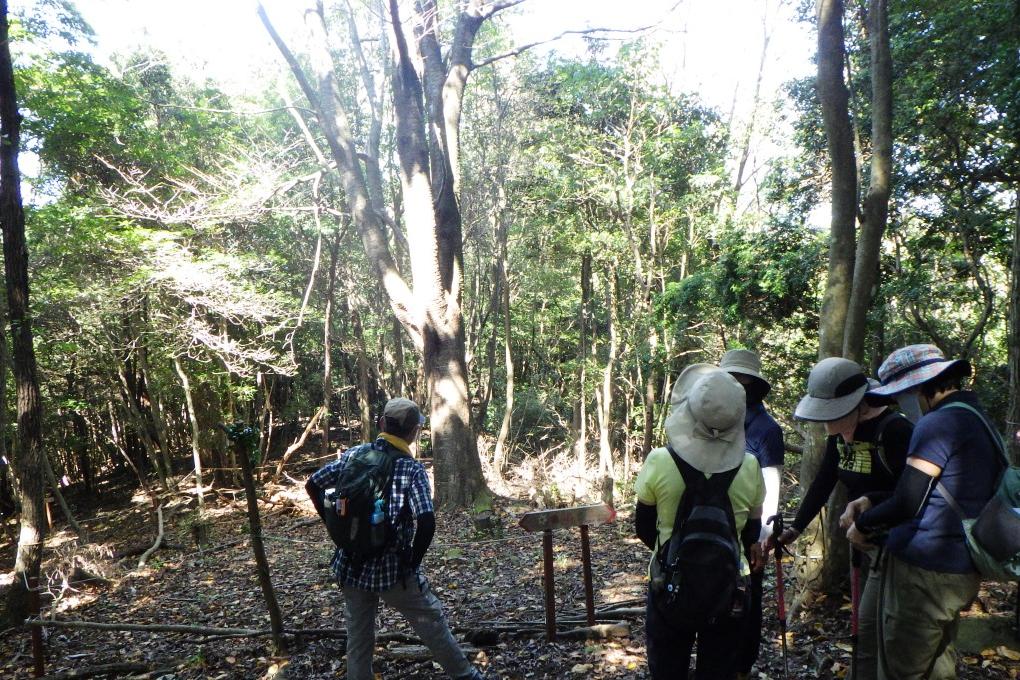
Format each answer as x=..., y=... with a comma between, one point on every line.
x=29, y=462
x=834, y=99
x=876, y=203
x=430, y=311
x=825, y=559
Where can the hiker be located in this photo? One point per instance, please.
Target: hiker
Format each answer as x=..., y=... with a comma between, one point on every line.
x=395, y=577
x=699, y=500
x=929, y=577
x=764, y=440
x=866, y=449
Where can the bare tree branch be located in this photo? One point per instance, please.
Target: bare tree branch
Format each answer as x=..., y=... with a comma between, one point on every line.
x=583, y=31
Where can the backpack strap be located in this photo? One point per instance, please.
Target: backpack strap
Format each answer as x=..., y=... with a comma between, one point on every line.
x=696, y=483
x=996, y=440
x=879, y=431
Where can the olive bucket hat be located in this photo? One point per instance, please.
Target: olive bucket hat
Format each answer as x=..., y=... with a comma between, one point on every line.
x=745, y=362
x=706, y=420
x=835, y=387
x=910, y=366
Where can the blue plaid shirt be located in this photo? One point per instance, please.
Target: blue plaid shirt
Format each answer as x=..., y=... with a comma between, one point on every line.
x=410, y=497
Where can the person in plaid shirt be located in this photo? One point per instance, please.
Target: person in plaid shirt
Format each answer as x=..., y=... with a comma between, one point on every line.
x=395, y=577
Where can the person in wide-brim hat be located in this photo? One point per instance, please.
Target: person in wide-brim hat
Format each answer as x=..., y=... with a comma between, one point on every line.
x=836, y=387
x=705, y=431
x=705, y=425
x=764, y=441
x=910, y=367
x=954, y=463
x=745, y=366
x=866, y=450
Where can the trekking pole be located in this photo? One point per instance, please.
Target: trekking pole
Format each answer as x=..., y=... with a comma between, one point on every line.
x=777, y=530
x=855, y=606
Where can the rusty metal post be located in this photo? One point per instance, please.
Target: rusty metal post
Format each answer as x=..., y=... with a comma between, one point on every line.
x=550, y=590
x=589, y=595
x=38, y=653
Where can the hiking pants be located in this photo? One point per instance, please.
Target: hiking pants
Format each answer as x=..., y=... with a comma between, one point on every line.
x=866, y=664
x=416, y=603
x=919, y=615
x=750, y=636
x=669, y=648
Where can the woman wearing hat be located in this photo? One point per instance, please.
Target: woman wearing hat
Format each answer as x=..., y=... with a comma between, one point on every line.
x=764, y=440
x=705, y=430
x=866, y=450
x=929, y=577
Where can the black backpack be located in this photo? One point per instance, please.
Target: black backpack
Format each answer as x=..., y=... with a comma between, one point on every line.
x=696, y=579
x=357, y=515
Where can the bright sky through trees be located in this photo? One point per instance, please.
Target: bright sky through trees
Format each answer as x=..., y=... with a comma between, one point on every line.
x=709, y=46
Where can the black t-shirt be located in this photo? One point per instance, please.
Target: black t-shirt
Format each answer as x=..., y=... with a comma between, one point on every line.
x=865, y=466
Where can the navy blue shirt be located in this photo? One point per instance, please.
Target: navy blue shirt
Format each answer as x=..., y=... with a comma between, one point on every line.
x=957, y=441
x=764, y=436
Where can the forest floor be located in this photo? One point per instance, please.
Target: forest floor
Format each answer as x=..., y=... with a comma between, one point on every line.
x=487, y=582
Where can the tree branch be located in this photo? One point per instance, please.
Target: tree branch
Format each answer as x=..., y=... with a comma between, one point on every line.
x=584, y=31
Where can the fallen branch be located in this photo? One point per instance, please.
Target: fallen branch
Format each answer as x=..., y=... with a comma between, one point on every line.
x=159, y=539
x=210, y=632
x=148, y=628
x=134, y=551
x=417, y=652
x=117, y=669
x=598, y=632
x=297, y=444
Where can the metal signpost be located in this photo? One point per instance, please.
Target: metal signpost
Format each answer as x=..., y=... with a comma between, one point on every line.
x=584, y=516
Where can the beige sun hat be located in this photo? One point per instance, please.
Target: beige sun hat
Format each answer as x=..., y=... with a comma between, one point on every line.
x=745, y=362
x=706, y=421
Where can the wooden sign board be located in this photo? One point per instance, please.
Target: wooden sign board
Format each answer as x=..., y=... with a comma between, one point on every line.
x=583, y=515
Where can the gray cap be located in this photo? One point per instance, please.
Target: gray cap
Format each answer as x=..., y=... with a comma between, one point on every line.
x=403, y=414
x=745, y=362
x=835, y=387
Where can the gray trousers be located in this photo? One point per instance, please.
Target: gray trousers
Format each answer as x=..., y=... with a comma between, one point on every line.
x=866, y=664
x=422, y=609
x=920, y=611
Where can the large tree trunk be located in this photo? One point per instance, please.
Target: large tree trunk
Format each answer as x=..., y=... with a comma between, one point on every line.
x=826, y=550
x=431, y=312
x=834, y=99
x=876, y=203
x=28, y=464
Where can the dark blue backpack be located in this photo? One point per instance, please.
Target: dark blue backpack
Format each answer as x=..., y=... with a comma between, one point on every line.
x=696, y=577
